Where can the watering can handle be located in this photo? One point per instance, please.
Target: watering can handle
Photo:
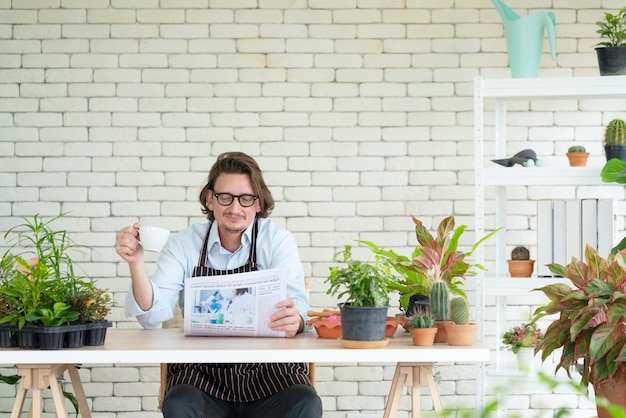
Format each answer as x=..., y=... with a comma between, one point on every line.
x=551, y=30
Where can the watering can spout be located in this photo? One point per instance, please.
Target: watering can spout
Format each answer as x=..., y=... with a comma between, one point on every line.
x=524, y=38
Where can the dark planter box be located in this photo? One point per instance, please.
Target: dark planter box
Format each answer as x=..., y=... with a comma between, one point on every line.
x=8, y=336
x=96, y=332
x=32, y=337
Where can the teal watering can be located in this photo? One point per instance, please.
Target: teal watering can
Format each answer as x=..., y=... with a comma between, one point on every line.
x=524, y=39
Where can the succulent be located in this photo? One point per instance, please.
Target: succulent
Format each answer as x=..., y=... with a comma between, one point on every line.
x=440, y=301
x=576, y=148
x=459, y=310
x=520, y=253
x=422, y=319
x=615, y=133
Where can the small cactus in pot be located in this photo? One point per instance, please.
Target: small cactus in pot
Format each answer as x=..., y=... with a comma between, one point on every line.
x=460, y=330
x=520, y=264
x=577, y=156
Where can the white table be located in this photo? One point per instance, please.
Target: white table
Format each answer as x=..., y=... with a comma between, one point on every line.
x=138, y=346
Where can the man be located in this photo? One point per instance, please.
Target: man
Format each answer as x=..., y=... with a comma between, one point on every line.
x=238, y=238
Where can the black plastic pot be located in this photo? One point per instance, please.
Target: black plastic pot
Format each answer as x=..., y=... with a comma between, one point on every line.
x=612, y=60
x=8, y=336
x=418, y=303
x=615, y=151
x=363, y=323
x=96, y=332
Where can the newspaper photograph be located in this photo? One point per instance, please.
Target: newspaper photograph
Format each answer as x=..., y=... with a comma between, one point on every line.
x=234, y=304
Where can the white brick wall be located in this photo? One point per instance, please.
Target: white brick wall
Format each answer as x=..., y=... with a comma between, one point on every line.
x=360, y=112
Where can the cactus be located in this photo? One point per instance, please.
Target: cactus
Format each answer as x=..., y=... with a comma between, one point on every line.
x=576, y=148
x=459, y=310
x=422, y=320
x=520, y=253
x=440, y=301
x=615, y=133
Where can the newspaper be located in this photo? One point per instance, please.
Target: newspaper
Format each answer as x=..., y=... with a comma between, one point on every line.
x=234, y=304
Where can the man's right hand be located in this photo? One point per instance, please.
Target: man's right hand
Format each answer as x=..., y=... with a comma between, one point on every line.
x=127, y=244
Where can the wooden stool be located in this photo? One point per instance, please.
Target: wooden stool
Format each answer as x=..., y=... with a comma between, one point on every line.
x=41, y=376
x=413, y=375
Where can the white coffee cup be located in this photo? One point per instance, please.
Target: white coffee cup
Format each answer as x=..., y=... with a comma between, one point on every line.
x=153, y=238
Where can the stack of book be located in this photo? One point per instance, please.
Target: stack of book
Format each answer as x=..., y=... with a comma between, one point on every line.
x=565, y=227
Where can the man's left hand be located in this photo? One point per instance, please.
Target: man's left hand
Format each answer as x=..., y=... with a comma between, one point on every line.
x=287, y=319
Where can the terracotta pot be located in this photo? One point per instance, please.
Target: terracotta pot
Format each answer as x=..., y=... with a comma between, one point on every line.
x=521, y=268
x=460, y=335
x=423, y=336
x=327, y=329
x=613, y=390
x=442, y=335
x=577, y=159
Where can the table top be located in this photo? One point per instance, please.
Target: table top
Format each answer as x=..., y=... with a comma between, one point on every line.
x=172, y=346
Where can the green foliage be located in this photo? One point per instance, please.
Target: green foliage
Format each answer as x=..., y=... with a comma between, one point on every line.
x=591, y=316
x=613, y=27
x=459, y=310
x=520, y=253
x=37, y=272
x=576, y=148
x=362, y=284
x=615, y=132
x=423, y=319
x=614, y=171
x=433, y=259
x=440, y=301
x=54, y=316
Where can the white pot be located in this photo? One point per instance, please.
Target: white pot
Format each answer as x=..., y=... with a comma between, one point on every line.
x=526, y=358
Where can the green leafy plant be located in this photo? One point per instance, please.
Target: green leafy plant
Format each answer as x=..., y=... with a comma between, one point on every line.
x=361, y=284
x=435, y=258
x=54, y=316
x=614, y=171
x=576, y=148
x=37, y=272
x=591, y=316
x=613, y=27
x=525, y=335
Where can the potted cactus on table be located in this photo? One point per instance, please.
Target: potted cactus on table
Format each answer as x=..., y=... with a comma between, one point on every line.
x=460, y=330
x=520, y=264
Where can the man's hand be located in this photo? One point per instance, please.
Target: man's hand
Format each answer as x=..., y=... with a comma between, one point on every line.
x=287, y=319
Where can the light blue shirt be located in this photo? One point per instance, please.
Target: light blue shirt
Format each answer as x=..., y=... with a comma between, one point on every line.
x=275, y=248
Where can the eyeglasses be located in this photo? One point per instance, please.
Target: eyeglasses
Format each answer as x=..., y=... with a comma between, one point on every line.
x=226, y=199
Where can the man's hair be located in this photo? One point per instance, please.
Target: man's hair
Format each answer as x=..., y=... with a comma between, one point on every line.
x=238, y=163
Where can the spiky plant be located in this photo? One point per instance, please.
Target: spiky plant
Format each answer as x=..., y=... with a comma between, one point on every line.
x=520, y=253
x=459, y=310
x=615, y=133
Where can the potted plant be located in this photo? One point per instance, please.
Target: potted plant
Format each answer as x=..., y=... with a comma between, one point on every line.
x=434, y=258
x=363, y=287
x=43, y=302
x=614, y=171
x=615, y=139
x=577, y=156
x=520, y=264
x=460, y=331
x=590, y=322
x=522, y=340
x=422, y=328
x=612, y=52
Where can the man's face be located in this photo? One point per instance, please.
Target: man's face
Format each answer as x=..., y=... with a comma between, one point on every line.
x=234, y=218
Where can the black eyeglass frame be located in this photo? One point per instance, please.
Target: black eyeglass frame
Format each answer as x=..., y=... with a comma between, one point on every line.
x=232, y=199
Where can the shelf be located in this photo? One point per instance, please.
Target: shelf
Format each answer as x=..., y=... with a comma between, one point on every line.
x=542, y=88
x=542, y=176
x=508, y=286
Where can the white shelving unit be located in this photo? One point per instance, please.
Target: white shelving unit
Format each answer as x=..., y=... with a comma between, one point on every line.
x=503, y=91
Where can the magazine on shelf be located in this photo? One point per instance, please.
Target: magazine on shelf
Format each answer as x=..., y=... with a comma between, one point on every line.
x=234, y=304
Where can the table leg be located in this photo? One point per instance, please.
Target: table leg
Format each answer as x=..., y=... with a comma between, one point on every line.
x=83, y=407
x=415, y=376
x=38, y=377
